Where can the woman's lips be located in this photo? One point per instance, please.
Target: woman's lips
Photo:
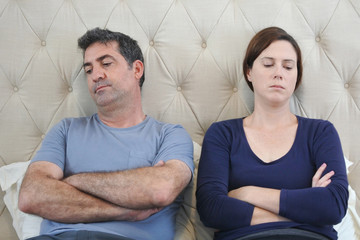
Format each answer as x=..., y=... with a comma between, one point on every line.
x=277, y=86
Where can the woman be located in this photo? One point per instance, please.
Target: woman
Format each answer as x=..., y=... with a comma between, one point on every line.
x=272, y=173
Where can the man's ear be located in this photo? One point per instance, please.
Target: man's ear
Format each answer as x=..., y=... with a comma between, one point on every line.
x=138, y=67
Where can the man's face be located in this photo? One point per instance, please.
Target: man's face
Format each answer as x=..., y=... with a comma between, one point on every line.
x=111, y=81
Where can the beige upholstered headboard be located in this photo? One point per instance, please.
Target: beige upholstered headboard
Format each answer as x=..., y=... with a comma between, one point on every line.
x=193, y=53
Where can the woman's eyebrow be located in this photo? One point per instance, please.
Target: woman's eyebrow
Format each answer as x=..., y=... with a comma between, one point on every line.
x=271, y=58
x=289, y=60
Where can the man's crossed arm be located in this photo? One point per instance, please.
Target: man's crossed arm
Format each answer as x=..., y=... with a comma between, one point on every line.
x=129, y=195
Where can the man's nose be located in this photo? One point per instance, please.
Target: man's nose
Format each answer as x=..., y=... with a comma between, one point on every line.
x=98, y=74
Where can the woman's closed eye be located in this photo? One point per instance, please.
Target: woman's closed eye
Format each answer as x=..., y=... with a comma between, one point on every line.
x=288, y=66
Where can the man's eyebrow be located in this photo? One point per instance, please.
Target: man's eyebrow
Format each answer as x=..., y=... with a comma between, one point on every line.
x=86, y=64
x=99, y=59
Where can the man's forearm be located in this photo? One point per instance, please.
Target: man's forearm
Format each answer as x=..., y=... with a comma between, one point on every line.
x=142, y=188
x=67, y=204
x=43, y=195
x=108, y=186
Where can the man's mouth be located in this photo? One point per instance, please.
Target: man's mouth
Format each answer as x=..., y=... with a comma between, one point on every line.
x=98, y=88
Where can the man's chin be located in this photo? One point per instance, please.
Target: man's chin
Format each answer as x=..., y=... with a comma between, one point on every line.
x=102, y=101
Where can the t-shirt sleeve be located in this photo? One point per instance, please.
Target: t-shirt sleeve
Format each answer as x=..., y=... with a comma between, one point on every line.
x=320, y=205
x=215, y=208
x=176, y=144
x=53, y=147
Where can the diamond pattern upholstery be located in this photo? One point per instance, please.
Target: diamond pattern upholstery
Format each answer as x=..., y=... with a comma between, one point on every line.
x=193, y=53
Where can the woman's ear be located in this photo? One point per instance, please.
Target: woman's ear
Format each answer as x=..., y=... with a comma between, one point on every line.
x=248, y=74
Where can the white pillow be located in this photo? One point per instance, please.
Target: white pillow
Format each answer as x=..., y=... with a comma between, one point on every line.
x=349, y=227
x=27, y=225
x=11, y=176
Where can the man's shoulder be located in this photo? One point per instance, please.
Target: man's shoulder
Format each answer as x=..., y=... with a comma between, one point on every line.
x=169, y=131
x=164, y=126
x=65, y=124
x=78, y=120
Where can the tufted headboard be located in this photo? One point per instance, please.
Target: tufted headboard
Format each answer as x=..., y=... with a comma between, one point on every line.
x=193, y=53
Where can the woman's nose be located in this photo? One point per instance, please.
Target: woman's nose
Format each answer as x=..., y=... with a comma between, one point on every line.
x=278, y=74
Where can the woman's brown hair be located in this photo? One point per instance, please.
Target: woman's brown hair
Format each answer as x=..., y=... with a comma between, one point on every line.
x=261, y=41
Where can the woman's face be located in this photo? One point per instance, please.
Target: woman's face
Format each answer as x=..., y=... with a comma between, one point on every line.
x=274, y=73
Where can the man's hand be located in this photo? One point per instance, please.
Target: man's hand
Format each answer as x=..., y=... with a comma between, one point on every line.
x=160, y=164
x=139, y=215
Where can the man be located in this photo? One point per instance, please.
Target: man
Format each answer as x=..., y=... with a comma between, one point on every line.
x=117, y=174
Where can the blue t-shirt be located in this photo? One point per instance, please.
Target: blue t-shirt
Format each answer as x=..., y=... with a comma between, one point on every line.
x=88, y=145
x=227, y=162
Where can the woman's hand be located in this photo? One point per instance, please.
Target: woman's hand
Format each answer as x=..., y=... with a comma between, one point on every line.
x=266, y=203
x=318, y=181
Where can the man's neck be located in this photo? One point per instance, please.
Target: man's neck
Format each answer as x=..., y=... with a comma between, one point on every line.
x=122, y=118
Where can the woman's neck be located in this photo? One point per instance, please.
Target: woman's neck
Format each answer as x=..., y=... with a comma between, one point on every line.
x=270, y=118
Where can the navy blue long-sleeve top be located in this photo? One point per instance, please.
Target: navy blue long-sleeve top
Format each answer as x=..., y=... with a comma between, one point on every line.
x=227, y=162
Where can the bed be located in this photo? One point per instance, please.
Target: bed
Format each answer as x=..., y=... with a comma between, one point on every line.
x=193, y=53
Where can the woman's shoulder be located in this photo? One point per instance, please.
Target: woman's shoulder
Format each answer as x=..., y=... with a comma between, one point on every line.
x=224, y=132
x=313, y=121
x=229, y=124
x=225, y=128
x=314, y=124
